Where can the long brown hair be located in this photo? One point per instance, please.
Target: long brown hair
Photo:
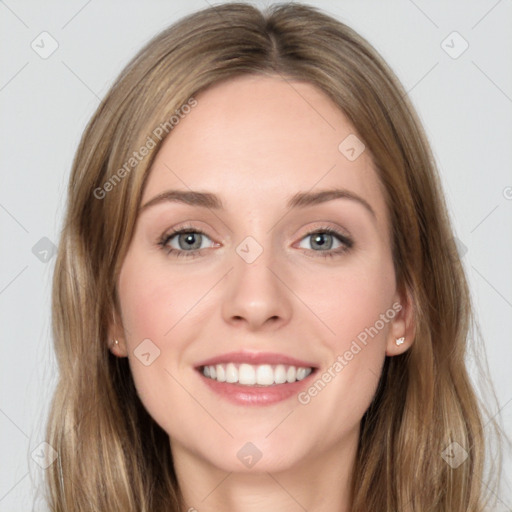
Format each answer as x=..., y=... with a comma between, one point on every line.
x=112, y=454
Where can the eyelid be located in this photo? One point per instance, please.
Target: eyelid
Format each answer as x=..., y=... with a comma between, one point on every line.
x=326, y=226
x=185, y=227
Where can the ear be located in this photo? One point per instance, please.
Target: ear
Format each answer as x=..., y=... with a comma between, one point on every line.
x=403, y=324
x=116, y=337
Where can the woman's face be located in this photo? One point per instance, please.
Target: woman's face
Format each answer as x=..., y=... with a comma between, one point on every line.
x=271, y=268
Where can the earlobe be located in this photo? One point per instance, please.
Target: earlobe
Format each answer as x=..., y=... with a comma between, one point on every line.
x=397, y=346
x=117, y=348
x=116, y=342
x=402, y=332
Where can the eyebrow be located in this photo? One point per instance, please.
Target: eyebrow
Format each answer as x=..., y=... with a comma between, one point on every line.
x=212, y=201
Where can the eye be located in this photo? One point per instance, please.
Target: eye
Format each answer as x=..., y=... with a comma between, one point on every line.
x=324, y=238
x=184, y=242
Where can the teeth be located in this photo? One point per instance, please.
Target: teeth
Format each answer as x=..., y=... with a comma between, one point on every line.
x=246, y=374
x=250, y=375
x=221, y=372
x=301, y=373
x=280, y=374
x=231, y=373
x=291, y=374
x=264, y=375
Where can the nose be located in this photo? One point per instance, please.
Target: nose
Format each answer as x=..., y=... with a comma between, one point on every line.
x=256, y=294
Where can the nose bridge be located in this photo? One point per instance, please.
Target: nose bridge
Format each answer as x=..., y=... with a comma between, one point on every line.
x=255, y=293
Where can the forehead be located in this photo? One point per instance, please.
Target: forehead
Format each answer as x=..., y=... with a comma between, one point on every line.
x=257, y=137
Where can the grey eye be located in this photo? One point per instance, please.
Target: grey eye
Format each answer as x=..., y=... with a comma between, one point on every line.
x=321, y=240
x=188, y=241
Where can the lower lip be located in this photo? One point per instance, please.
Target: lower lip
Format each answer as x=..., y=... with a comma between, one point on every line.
x=257, y=395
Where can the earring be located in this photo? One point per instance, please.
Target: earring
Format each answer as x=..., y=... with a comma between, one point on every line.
x=115, y=342
x=399, y=341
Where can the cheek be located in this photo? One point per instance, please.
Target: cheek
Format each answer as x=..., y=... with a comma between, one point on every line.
x=152, y=300
x=350, y=302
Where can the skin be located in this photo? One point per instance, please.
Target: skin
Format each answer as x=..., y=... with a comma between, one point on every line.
x=256, y=141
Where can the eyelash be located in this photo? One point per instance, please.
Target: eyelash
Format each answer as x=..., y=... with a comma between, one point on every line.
x=164, y=240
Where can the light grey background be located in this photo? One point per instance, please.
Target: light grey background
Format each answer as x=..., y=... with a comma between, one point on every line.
x=465, y=104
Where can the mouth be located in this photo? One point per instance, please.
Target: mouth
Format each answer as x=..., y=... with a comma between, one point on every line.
x=247, y=378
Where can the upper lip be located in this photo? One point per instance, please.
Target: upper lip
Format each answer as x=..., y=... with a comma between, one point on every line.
x=255, y=358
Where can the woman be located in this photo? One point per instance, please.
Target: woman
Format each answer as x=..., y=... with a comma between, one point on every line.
x=307, y=353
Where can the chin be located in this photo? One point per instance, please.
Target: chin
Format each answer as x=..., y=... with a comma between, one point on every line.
x=256, y=454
